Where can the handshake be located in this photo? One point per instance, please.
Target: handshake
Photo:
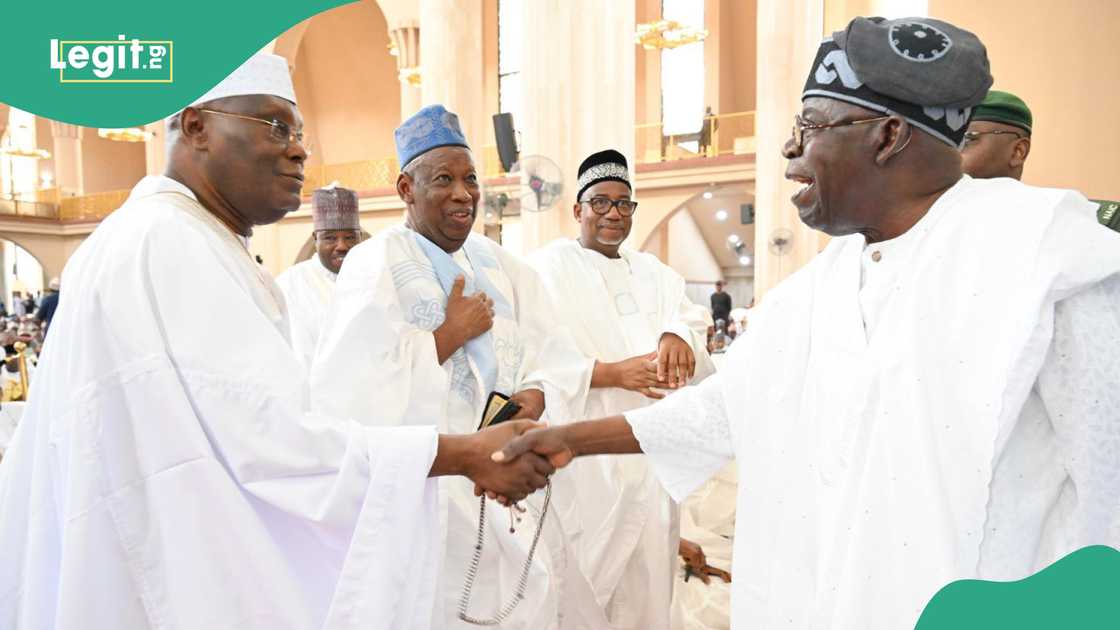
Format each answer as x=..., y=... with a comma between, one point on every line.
x=507, y=462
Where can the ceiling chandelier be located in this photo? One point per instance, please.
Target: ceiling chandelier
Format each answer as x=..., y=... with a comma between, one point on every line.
x=668, y=34
x=128, y=134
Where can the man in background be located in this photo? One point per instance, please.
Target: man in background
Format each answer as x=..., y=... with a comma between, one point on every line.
x=998, y=142
x=721, y=303
x=629, y=315
x=48, y=305
x=309, y=285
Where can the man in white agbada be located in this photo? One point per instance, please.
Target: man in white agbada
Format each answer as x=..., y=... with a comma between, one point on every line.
x=429, y=318
x=931, y=398
x=309, y=285
x=628, y=312
x=167, y=473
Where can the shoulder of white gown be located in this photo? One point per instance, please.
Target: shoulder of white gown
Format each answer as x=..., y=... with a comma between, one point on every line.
x=290, y=274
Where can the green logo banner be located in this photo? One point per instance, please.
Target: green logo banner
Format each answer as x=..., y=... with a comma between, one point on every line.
x=128, y=63
x=1079, y=591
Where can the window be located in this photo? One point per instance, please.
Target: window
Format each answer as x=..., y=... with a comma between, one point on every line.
x=509, y=58
x=19, y=174
x=682, y=77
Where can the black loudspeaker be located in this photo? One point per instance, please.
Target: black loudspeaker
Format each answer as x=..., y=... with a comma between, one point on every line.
x=507, y=140
x=746, y=213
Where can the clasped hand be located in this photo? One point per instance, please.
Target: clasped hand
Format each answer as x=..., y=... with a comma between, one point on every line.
x=507, y=482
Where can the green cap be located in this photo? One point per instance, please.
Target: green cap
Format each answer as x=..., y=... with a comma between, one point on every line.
x=1004, y=107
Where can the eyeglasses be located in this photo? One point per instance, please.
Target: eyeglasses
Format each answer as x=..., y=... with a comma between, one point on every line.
x=800, y=127
x=973, y=136
x=602, y=205
x=280, y=131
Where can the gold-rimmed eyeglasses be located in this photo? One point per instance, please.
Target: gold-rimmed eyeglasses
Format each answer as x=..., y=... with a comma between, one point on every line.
x=279, y=131
x=800, y=126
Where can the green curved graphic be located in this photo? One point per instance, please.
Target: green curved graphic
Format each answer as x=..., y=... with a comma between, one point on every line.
x=202, y=42
x=1081, y=591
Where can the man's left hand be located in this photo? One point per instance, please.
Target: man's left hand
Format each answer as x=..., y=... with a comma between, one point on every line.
x=676, y=362
x=532, y=404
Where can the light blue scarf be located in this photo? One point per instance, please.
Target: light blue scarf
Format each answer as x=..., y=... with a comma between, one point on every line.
x=481, y=348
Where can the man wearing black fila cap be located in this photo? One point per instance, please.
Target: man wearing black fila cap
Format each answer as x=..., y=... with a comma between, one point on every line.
x=629, y=315
x=888, y=444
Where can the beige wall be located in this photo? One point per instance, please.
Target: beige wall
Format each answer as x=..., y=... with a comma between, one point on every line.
x=1066, y=72
x=490, y=67
x=647, y=68
x=346, y=84
x=110, y=165
x=729, y=55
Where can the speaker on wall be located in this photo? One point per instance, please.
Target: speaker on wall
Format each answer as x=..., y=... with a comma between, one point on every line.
x=507, y=140
x=746, y=213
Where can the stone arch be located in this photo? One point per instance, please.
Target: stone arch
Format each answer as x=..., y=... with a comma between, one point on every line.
x=346, y=83
x=34, y=249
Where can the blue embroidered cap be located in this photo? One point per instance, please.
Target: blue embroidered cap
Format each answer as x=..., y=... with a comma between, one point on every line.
x=430, y=128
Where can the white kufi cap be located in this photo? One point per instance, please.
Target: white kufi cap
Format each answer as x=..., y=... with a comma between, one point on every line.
x=263, y=73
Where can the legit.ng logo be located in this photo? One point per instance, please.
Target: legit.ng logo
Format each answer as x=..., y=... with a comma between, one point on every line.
x=118, y=60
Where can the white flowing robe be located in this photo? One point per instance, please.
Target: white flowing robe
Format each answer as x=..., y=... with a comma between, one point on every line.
x=377, y=359
x=617, y=309
x=308, y=287
x=167, y=473
x=954, y=415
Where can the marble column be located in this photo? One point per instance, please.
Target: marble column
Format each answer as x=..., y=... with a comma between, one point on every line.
x=407, y=41
x=789, y=32
x=451, y=73
x=67, y=155
x=578, y=78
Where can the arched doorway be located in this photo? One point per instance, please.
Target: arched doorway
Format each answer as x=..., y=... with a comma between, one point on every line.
x=710, y=237
x=22, y=274
x=346, y=83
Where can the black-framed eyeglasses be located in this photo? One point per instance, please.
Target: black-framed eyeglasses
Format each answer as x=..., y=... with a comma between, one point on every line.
x=973, y=136
x=280, y=131
x=800, y=126
x=602, y=205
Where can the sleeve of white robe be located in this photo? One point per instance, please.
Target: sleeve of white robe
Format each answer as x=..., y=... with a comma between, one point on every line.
x=370, y=361
x=686, y=436
x=300, y=330
x=1080, y=386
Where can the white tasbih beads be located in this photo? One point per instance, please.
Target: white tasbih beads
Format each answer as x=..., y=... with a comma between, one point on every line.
x=523, y=582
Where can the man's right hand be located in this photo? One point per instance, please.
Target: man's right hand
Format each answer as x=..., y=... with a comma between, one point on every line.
x=637, y=374
x=512, y=481
x=467, y=316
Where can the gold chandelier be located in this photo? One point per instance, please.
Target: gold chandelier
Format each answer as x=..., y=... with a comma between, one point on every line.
x=128, y=134
x=668, y=34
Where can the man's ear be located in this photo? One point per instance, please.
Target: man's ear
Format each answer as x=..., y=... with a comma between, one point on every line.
x=405, y=188
x=577, y=211
x=891, y=137
x=1020, y=151
x=193, y=128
